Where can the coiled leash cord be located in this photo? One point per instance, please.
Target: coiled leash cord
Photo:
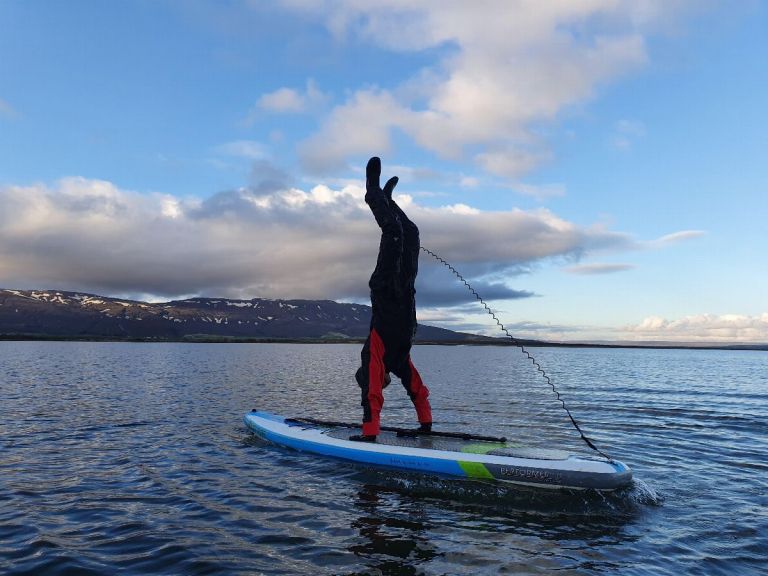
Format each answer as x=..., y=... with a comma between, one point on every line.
x=523, y=349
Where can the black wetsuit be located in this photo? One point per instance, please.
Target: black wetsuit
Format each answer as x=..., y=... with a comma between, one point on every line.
x=393, y=302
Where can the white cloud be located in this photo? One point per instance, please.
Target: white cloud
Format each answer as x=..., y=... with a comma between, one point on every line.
x=288, y=101
x=277, y=241
x=702, y=328
x=675, y=237
x=540, y=191
x=462, y=209
x=282, y=100
x=248, y=149
x=501, y=69
x=361, y=125
x=626, y=132
x=511, y=163
x=598, y=268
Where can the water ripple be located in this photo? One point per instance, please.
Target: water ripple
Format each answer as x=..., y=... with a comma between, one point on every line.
x=132, y=458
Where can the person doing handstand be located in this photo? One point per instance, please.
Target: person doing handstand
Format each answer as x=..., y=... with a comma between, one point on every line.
x=393, y=302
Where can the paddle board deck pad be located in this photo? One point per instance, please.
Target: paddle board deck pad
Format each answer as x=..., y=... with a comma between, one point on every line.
x=462, y=458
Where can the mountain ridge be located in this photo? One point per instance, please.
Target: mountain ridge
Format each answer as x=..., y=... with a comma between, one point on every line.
x=65, y=314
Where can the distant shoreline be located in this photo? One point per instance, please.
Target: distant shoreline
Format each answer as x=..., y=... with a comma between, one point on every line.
x=487, y=341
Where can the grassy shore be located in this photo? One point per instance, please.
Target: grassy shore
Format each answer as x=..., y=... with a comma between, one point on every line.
x=480, y=341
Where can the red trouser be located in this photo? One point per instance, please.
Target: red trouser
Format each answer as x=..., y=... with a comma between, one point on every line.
x=377, y=361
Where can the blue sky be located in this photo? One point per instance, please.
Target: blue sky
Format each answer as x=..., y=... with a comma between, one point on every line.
x=596, y=168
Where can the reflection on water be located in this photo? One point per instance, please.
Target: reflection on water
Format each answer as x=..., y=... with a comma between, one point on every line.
x=412, y=525
x=393, y=532
x=133, y=458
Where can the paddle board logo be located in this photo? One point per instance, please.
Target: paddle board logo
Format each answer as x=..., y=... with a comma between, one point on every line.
x=530, y=474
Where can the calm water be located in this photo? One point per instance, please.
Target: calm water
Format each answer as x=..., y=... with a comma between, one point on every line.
x=133, y=458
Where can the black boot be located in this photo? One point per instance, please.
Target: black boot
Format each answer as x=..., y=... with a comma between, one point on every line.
x=378, y=198
x=425, y=428
x=363, y=438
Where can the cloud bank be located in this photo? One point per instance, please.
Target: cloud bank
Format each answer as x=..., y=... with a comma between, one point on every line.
x=268, y=240
x=702, y=328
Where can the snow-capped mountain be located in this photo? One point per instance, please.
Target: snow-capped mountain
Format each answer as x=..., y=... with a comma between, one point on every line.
x=63, y=314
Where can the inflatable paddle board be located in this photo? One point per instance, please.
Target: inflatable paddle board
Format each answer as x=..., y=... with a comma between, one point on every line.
x=447, y=454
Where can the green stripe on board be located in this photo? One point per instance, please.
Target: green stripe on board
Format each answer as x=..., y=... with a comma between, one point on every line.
x=475, y=470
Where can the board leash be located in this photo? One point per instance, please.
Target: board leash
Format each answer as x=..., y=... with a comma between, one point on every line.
x=524, y=350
